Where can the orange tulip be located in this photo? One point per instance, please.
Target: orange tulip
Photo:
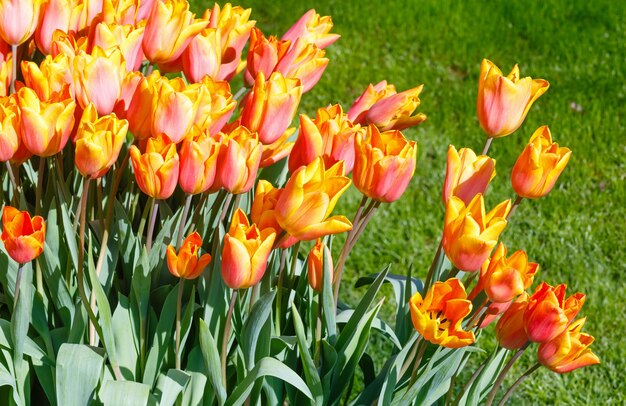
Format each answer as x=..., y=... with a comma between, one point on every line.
x=9, y=128
x=46, y=125
x=304, y=61
x=467, y=174
x=438, y=316
x=549, y=313
x=121, y=12
x=170, y=28
x=67, y=43
x=372, y=94
x=198, y=162
x=186, y=263
x=156, y=170
x=393, y=112
x=504, y=101
x=315, y=266
x=139, y=110
x=245, y=253
x=55, y=15
x=312, y=28
x=18, y=20
x=384, y=164
x=263, y=55
x=98, y=142
x=469, y=234
x=539, y=165
x=271, y=105
x=277, y=150
x=215, y=104
x=238, y=161
x=309, y=197
x=22, y=236
x=263, y=208
x=569, y=350
x=203, y=56
x=330, y=135
x=126, y=37
x=98, y=78
x=6, y=62
x=49, y=78
x=174, y=108
x=510, y=331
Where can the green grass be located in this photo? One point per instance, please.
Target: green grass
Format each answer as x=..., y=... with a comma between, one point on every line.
x=576, y=233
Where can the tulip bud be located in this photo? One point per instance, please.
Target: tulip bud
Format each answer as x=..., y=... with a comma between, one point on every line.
x=384, y=164
x=539, y=166
x=140, y=107
x=263, y=55
x=568, y=351
x=174, y=108
x=186, y=263
x=312, y=28
x=238, y=161
x=393, y=112
x=467, y=174
x=215, y=104
x=315, y=266
x=198, y=161
x=126, y=37
x=98, y=78
x=245, y=253
x=504, y=101
x=303, y=61
x=203, y=56
x=22, y=236
x=156, y=170
x=263, y=208
x=55, y=15
x=50, y=77
x=372, y=94
x=510, y=331
x=9, y=128
x=120, y=11
x=18, y=20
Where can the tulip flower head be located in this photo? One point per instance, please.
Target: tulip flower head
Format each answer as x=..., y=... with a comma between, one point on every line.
x=539, y=166
x=203, y=56
x=9, y=128
x=263, y=55
x=198, y=162
x=126, y=37
x=263, y=208
x=315, y=265
x=303, y=61
x=510, y=331
x=55, y=15
x=504, y=101
x=384, y=164
x=467, y=174
x=174, y=107
x=312, y=28
x=18, y=20
x=186, y=264
x=238, y=160
x=245, y=253
x=156, y=170
x=569, y=350
x=278, y=149
x=438, y=315
x=50, y=77
x=6, y=63
x=393, y=112
x=372, y=94
x=23, y=236
x=215, y=104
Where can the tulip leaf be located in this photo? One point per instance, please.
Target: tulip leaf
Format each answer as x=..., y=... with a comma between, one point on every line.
x=185, y=325
x=254, y=325
x=162, y=339
x=127, y=343
x=310, y=371
x=78, y=370
x=196, y=389
x=170, y=386
x=211, y=356
x=68, y=228
x=378, y=324
x=266, y=367
x=126, y=393
x=483, y=384
x=328, y=300
x=20, y=318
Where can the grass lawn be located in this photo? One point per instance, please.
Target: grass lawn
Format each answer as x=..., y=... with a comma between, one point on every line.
x=577, y=232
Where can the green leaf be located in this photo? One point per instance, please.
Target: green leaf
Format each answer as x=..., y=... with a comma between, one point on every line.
x=20, y=318
x=310, y=371
x=253, y=326
x=68, y=228
x=378, y=324
x=78, y=371
x=170, y=386
x=126, y=393
x=194, y=392
x=211, y=356
x=483, y=384
x=328, y=301
x=185, y=325
x=126, y=341
x=162, y=339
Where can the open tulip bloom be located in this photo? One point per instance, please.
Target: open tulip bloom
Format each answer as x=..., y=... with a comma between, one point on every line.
x=179, y=238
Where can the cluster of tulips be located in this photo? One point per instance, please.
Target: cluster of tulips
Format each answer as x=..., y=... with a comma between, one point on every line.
x=228, y=171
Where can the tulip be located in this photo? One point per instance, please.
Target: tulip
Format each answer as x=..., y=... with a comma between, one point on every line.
x=315, y=266
x=263, y=208
x=156, y=170
x=372, y=94
x=55, y=15
x=493, y=311
x=277, y=150
x=46, y=125
x=263, y=55
x=330, y=135
x=49, y=78
x=186, y=263
x=393, y=112
x=539, y=166
x=18, y=20
x=271, y=105
x=303, y=61
x=245, y=252
x=22, y=236
x=67, y=43
x=198, y=161
x=174, y=108
x=384, y=164
x=313, y=29
x=438, y=316
x=129, y=87
x=203, y=56
x=510, y=331
x=144, y=9
x=503, y=102
x=126, y=37
x=215, y=104
x=98, y=78
x=469, y=234
x=569, y=350
x=6, y=66
x=140, y=107
x=309, y=197
x=121, y=12
x=467, y=174
x=549, y=313
x=238, y=161
x=98, y=142
x=9, y=128
x=170, y=28
x=87, y=11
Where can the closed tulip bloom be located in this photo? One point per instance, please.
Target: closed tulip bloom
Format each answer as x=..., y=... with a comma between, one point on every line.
x=67, y=43
x=330, y=135
x=46, y=125
x=263, y=55
x=140, y=108
x=238, y=161
x=539, y=166
x=384, y=164
x=50, y=77
x=6, y=61
x=186, y=264
x=215, y=104
x=569, y=350
x=18, y=20
x=469, y=233
x=549, y=313
x=174, y=108
x=394, y=111
x=55, y=15
x=98, y=142
x=245, y=252
x=156, y=170
x=438, y=316
x=170, y=28
x=126, y=37
x=467, y=174
x=312, y=28
x=23, y=236
x=9, y=128
x=203, y=56
x=198, y=162
x=263, y=208
x=121, y=12
x=504, y=101
x=493, y=311
x=315, y=266
x=309, y=197
x=372, y=94
x=510, y=331
x=271, y=105
x=98, y=78
x=303, y=61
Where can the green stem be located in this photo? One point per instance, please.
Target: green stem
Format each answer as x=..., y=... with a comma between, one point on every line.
x=13, y=68
x=226, y=337
x=506, y=369
x=153, y=214
x=279, y=290
x=418, y=360
x=179, y=301
x=40, y=172
x=294, y=262
x=521, y=379
x=516, y=203
x=13, y=182
x=18, y=282
x=487, y=145
x=183, y=220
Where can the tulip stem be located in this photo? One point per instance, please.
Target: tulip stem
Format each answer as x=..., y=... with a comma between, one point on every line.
x=153, y=214
x=506, y=369
x=18, y=282
x=240, y=93
x=179, y=301
x=294, y=262
x=521, y=379
x=40, y=172
x=13, y=181
x=183, y=220
x=516, y=203
x=487, y=145
x=418, y=359
x=433, y=265
x=226, y=337
x=279, y=289
x=13, y=67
